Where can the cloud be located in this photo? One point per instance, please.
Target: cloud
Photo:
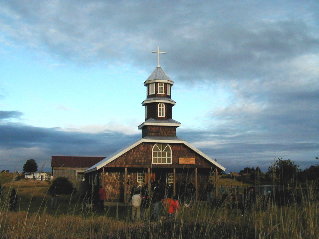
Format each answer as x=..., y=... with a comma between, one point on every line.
x=203, y=40
x=20, y=142
x=265, y=53
x=4, y=115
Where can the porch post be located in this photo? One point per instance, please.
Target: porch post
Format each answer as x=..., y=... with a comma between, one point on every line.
x=216, y=173
x=149, y=180
x=102, y=178
x=125, y=185
x=174, y=184
x=196, y=185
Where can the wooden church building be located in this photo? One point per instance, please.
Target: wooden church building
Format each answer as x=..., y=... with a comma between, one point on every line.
x=159, y=155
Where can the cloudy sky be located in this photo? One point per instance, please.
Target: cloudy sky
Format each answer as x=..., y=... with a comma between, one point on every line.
x=246, y=77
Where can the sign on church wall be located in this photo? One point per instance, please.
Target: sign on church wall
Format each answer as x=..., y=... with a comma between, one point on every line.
x=186, y=160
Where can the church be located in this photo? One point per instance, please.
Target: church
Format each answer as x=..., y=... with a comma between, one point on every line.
x=159, y=155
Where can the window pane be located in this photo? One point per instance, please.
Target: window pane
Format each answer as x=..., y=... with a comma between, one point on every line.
x=160, y=88
x=161, y=110
x=161, y=154
x=151, y=89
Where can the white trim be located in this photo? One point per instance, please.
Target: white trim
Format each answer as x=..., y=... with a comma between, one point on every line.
x=161, y=110
x=168, y=101
x=151, y=89
x=167, y=141
x=158, y=124
x=155, y=81
x=107, y=161
x=204, y=156
x=170, y=178
x=168, y=89
x=160, y=88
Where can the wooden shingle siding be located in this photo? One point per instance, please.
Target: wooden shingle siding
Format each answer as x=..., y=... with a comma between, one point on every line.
x=141, y=156
x=152, y=109
x=165, y=131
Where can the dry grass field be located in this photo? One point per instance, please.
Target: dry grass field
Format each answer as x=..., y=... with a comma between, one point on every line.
x=37, y=218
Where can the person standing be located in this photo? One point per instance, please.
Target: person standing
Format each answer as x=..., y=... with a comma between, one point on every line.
x=145, y=206
x=102, y=197
x=136, y=205
x=173, y=206
x=158, y=195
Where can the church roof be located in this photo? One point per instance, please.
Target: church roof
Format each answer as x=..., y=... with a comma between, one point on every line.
x=167, y=122
x=158, y=100
x=106, y=161
x=74, y=161
x=158, y=74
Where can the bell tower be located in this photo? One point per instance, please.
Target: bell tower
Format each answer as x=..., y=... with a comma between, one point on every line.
x=158, y=104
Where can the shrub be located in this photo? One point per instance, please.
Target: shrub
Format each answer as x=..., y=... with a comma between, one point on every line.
x=61, y=185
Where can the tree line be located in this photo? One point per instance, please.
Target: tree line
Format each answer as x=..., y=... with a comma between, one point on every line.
x=281, y=172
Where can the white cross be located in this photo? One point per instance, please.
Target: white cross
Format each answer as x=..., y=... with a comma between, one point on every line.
x=158, y=52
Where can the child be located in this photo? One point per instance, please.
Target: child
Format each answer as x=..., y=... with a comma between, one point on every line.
x=171, y=205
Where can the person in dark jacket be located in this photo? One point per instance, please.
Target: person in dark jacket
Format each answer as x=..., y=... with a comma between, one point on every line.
x=158, y=195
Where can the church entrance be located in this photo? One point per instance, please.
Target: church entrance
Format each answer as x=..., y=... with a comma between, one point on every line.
x=163, y=176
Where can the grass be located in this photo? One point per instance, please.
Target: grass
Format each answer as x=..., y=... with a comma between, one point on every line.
x=37, y=218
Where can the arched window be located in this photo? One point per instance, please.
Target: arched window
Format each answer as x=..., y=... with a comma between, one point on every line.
x=161, y=154
x=161, y=110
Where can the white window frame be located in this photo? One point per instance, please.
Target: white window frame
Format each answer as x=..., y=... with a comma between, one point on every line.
x=168, y=89
x=162, y=154
x=151, y=89
x=140, y=178
x=170, y=178
x=161, y=110
x=160, y=88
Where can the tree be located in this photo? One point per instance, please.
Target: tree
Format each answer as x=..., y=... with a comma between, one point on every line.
x=283, y=171
x=30, y=166
x=61, y=185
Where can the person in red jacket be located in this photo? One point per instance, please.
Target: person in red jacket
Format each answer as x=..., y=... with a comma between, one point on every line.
x=171, y=205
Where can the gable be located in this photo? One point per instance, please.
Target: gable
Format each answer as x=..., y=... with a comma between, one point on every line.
x=139, y=155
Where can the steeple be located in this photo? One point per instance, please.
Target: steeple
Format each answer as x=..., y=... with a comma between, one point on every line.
x=158, y=105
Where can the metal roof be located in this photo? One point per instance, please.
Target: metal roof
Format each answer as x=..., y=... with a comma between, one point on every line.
x=158, y=74
x=159, y=99
x=164, y=122
x=74, y=161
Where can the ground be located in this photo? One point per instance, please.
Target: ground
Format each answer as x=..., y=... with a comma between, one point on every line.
x=37, y=217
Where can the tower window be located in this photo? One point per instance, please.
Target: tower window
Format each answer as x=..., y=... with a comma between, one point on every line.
x=160, y=88
x=168, y=89
x=161, y=110
x=161, y=154
x=151, y=89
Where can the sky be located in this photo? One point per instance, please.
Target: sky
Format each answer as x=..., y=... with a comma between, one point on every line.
x=245, y=72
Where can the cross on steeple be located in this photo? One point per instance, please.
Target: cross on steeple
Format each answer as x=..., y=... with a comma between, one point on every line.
x=158, y=52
